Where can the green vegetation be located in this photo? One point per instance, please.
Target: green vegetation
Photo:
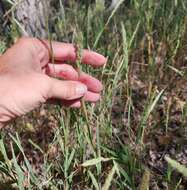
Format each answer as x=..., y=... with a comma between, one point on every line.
x=121, y=142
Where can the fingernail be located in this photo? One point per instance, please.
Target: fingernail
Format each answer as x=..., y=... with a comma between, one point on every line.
x=81, y=89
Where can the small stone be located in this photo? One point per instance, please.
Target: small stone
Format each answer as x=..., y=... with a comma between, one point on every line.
x=172, y=151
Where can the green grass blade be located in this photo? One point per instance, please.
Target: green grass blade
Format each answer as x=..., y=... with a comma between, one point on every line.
x=146, y=115
x=3, y=151
x=19, y=171
x=95, y=161
x=33, y=178
x=108, y=21
x=145, y=180
x=35, y=146
x=70, y=159
x=176, y=165
x=134, y=34
x=94, y=181
x=109, y=179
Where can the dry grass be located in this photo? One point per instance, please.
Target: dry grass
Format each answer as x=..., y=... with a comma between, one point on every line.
x=142, y=115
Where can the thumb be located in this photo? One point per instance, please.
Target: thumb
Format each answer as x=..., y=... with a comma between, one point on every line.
x=66, y=90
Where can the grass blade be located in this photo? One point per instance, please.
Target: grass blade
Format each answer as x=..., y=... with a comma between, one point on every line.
x=109, y=178
x=176, y=165
x=108, y=21
x=146, y=115
x=95, y=161
x=33, y=178
x=145, y=180
x=19, y=171
x=94, y=181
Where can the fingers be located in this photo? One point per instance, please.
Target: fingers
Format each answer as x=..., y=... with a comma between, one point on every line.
x=67, y=72
x=66, y=90
x=67, y=52
x=91, y=97
x=88, y=97
x=71, y=103
x=62, y=71
x=92, y=83
x=68, y=103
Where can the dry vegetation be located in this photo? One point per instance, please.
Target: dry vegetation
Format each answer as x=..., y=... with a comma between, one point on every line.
x=139, y=124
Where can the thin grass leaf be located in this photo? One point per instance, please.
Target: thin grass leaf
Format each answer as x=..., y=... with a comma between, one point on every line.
x=123, y=67
x=120, y=171
x=134, y=34
x=178, y=184
x=95, y=161
x=2, y=47
x=108, y=150
x=33, y=178
x=114, y=11
x=70, y=159
x=145, y=180
x=181, y=73
x=146, y=115
x=94, y=181
x=8, y=166
x=4, y=169
x=117, y=168
x=176, y=165
x=11, y=2
x=35, y=146
x=19, y=172
x=125, y=42
x=108, y=21
x=62, y=11
x=20, y=27
x=98, y=147
x=109, y=179
x=152, y=106
x=3, y=151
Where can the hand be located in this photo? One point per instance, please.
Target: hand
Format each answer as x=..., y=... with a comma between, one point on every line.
x=28, y=79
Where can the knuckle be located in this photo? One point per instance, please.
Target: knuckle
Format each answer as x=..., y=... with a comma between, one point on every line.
x=27, y=41
x=34, y=45
x=24, y=40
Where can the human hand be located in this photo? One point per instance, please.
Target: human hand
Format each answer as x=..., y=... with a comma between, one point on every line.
x=28, y=78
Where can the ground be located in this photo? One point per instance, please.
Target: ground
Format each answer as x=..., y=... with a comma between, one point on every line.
x=140, y=120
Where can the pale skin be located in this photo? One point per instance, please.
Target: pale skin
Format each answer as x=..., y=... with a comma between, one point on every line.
x=28, y=78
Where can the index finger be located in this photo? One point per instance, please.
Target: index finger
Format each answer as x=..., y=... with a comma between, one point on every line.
x=67, y=52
